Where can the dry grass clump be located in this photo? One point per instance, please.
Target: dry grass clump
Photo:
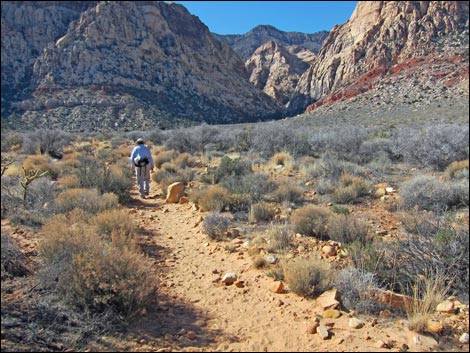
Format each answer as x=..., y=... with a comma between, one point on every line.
x=185, y=160
x=311, y=221
x=213, y=198
x=278, y=239
x=91, y=272
x=427, y=293
x=347, y=229
x=260, y=262
x=69, y=182
x=288, y=192
x=86, y=199
x=164, y=157
x=114, y=222
x=40, y=162
x=261, y=212
x=351, y=188
x=458, y=169
x=308, y=276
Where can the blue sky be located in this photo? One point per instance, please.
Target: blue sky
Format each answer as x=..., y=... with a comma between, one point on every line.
x=239, y=17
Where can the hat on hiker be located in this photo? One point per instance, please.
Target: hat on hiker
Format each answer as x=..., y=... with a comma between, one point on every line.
x=140, y=141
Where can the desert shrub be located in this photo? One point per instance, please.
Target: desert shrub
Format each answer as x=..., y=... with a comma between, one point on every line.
x=370, y=150
x=45, y=141
x=13, y=260
x=196, y=139
x=213, y=198
x=287, y=191
x=185, y=160
x=69, y=181
x=91, y=273
x=425, y=223
x=231, y=167
x=113, y=222
x=215, y=226
x=340, y=209
x=331, y=168
x=346, y=229
x=355, y=288
x=164, y=157
x=94, y=174
x=111, y=278
x=259, y=262
x=10, y=140
x=261, y=212
x=311, y=221
x=343, y=142
x=376, y=257
x=429, y=193
x=255, y=185
x=445, y=253
x=86, y=199
x=324, y=186
x=432, y=146
x=278, y=239
x=458, y=170
x=40, y=162
x=282, y=158
x=239, y=203
x=308, y=276
x=350, y=190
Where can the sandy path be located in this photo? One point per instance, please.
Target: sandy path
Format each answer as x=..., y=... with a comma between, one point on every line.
x=196, y=312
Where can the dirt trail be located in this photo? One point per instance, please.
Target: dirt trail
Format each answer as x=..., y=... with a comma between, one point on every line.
x=196, y=312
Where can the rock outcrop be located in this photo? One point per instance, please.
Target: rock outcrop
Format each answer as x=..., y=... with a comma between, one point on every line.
x=275, y=70
x=382, y=38
x=136, y=65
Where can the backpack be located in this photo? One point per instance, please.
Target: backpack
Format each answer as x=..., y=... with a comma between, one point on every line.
x=141, y=162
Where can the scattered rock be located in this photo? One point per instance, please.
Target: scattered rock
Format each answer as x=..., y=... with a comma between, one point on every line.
x=277, y=287
x=356, y=323
x=229, y=278
x=174, y=192
x=329, y=250
x=331, y=314
x=323, y=332
x=435, y=327
x=328, y=299
x=312, y=328
x=464, y=338
x=191, y=335
x=446, y=306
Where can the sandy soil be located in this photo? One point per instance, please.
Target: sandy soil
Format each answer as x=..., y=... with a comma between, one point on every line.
x=196, y=312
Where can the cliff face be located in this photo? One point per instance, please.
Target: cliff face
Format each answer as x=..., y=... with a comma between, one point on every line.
x=275, y=70
x=379, y=36
x=134, y=64
x=27, y=28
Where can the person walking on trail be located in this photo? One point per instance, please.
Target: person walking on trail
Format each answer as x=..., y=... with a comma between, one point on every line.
x=142, y=164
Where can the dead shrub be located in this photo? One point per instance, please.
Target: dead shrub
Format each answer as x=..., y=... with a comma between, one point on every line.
x=164, y=157
x=259, y=262
x=278, y=239
x=351, y=188
x=41, y=162
x=69, y=182
x=308, y=276
x=311, y=221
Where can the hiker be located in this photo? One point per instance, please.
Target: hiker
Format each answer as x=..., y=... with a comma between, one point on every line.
x=142, y=164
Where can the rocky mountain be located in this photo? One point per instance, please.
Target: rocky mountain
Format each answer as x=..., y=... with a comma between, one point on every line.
x=28, y=27
x=246, y=44
x=276, y=70
x=128, y=65
x=419, y=43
